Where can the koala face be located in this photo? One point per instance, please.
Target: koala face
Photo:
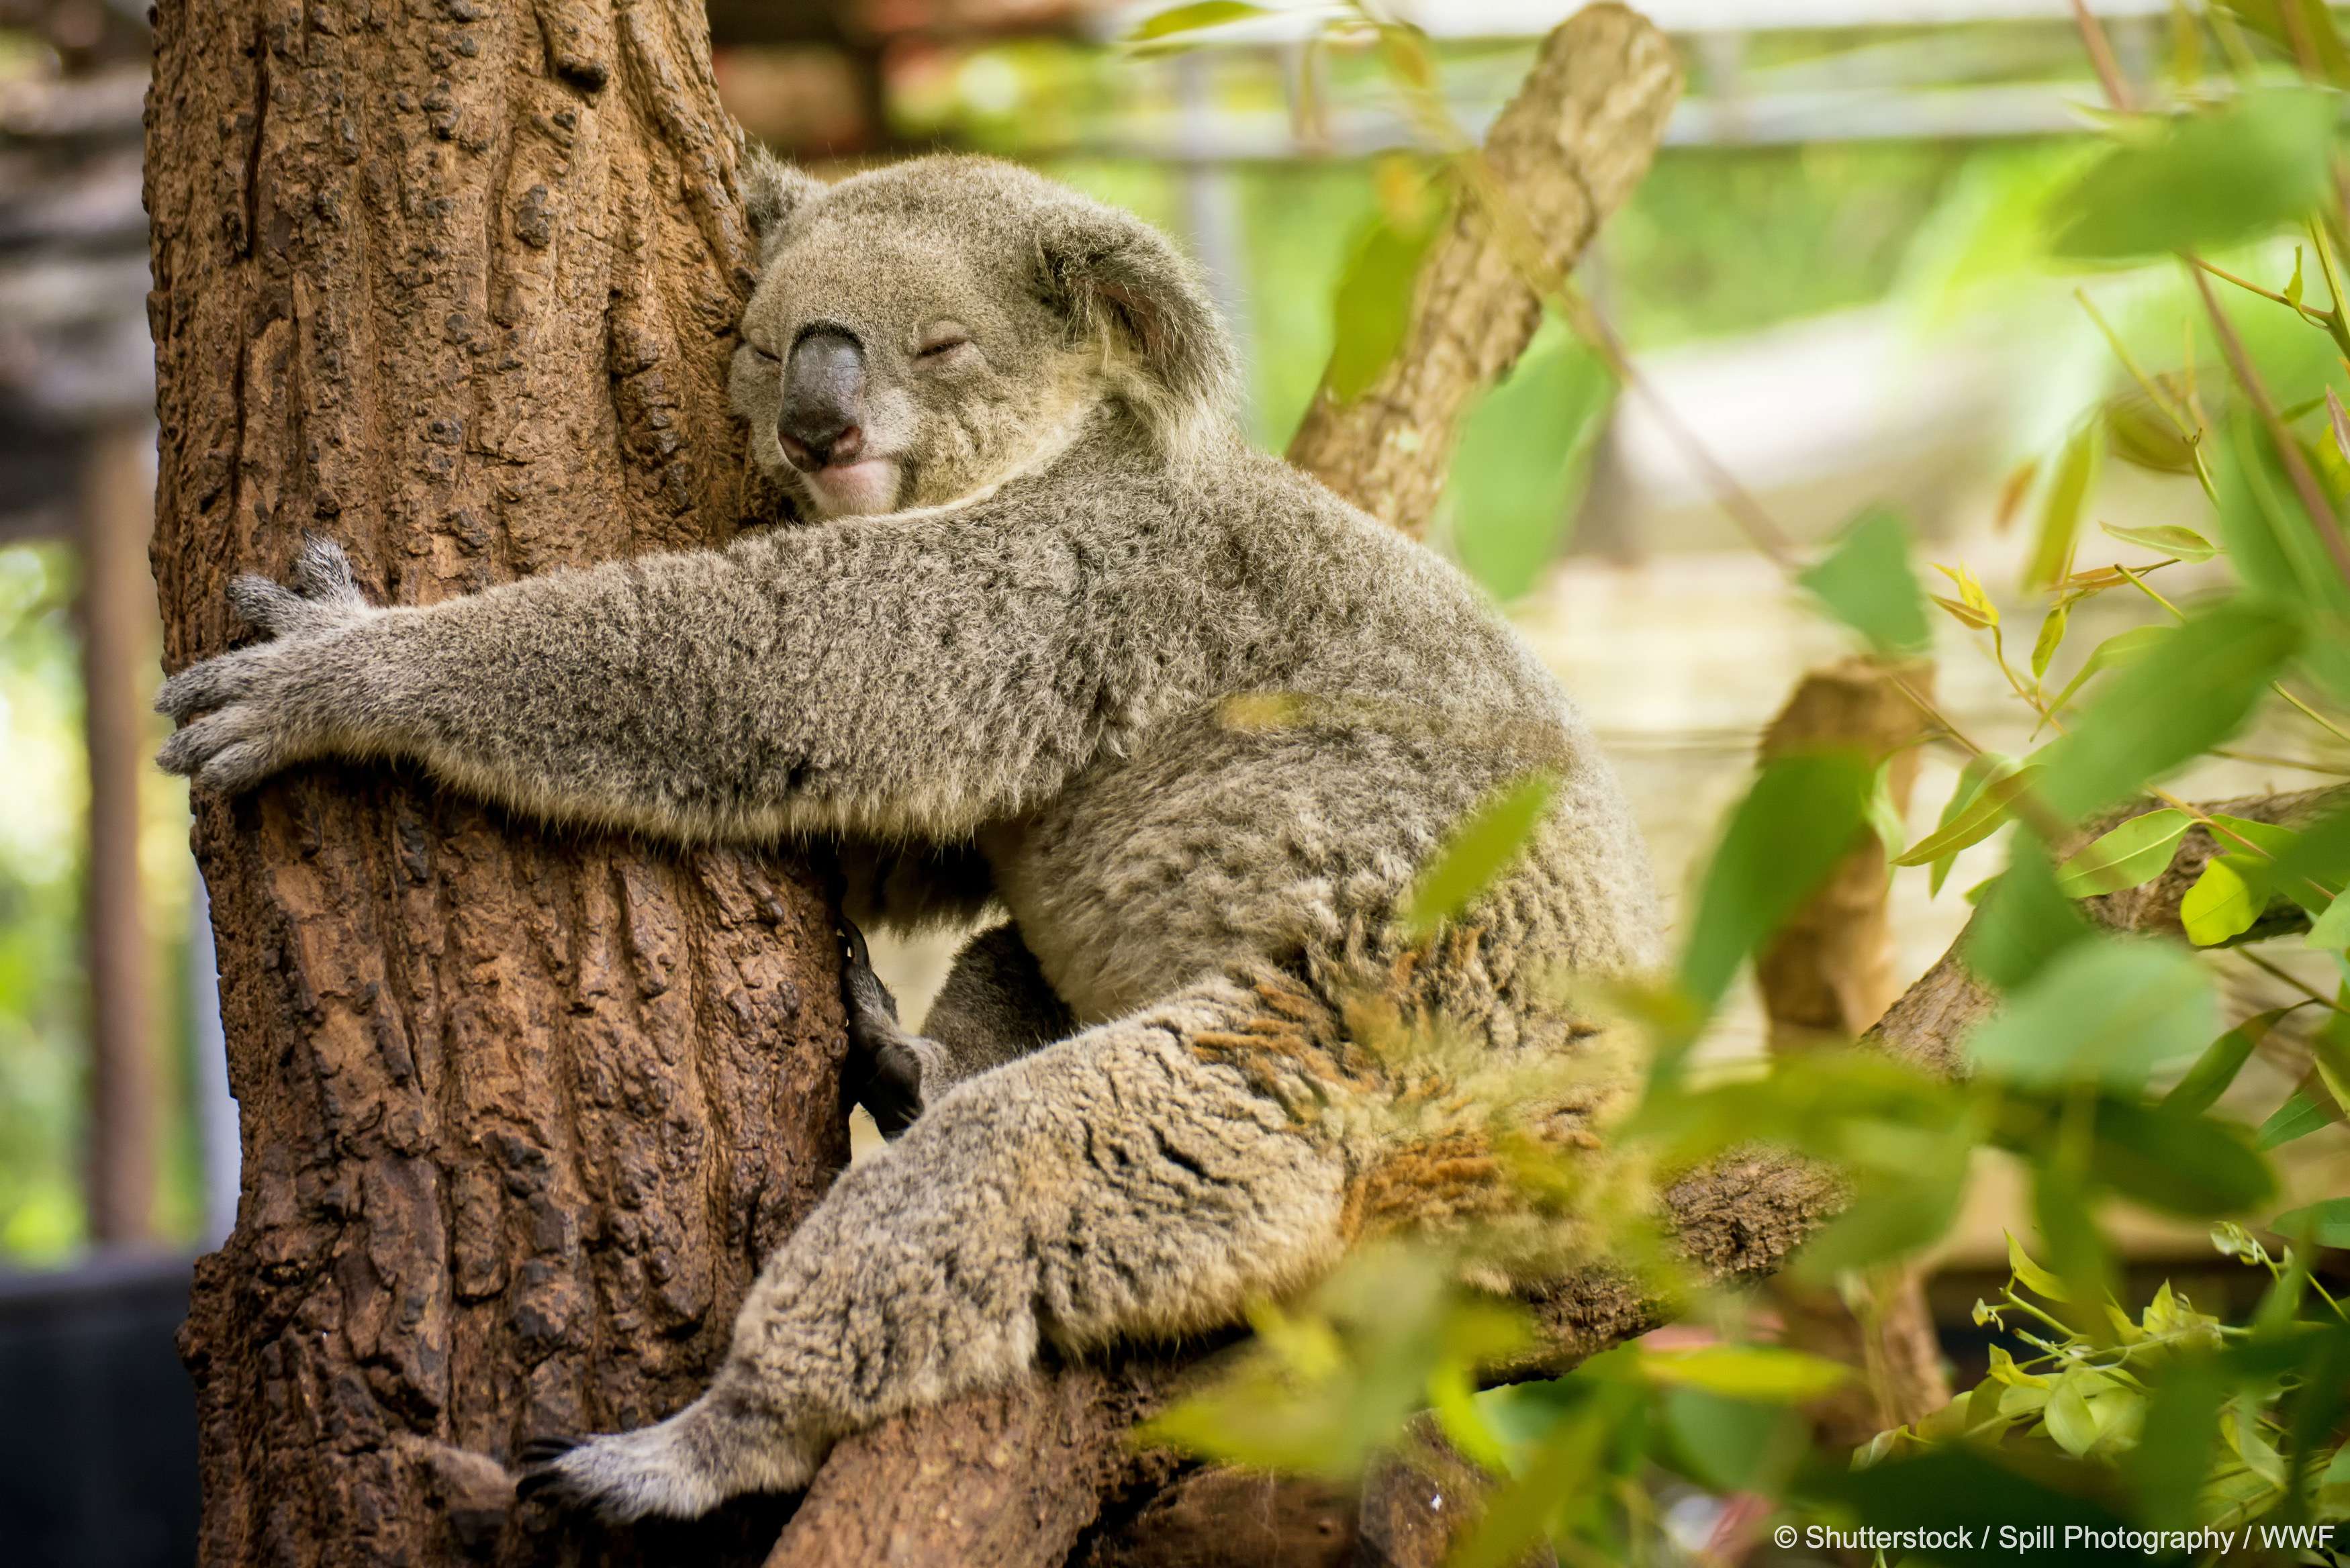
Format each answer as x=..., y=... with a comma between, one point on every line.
x=920, y=332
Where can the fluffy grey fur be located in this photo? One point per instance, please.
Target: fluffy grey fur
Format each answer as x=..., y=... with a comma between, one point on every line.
x=1192, y=722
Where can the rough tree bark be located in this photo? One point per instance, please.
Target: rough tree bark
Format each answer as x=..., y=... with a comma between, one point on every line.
x=456, y=285
x=1029, y=1474
x=1829, y=974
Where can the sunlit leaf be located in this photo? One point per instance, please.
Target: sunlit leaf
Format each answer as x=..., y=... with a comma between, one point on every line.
x=2223, y=903
x=1762, y=1372
x=2330, y=932
x=1866, y=583
x=2137, y=851
x=2211, y=179
x=2060, y=509
x=1965, y=614
x=1373, y=305
x=2051, y=638
x=2030, y=1275
x=1478, y=851
x=1192, y=18
x=2188, y=695
x=2168, y=538
x=1975, y=821
x=2103, y=1012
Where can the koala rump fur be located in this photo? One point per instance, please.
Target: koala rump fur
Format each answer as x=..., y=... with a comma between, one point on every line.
x=1053, y=640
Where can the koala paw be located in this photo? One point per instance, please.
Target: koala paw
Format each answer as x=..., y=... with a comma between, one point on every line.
x=677, y=1469
x=883, y=1073
x=242, y=713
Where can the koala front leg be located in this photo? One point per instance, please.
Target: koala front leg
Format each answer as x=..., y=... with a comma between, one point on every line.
x=1125, y=1182
x=995, y=1007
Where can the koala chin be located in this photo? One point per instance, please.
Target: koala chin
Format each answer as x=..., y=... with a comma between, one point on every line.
x=1051, y=643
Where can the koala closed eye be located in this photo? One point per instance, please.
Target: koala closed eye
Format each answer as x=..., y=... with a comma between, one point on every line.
x=942, y=342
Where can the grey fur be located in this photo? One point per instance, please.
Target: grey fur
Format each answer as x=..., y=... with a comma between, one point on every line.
x=1194, y=722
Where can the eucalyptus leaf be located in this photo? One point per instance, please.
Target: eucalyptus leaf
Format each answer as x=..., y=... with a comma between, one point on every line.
x=2186, y=695
x=2137, y=852
x=2325, y=1224
x=1866, y=583
x=2060, y=512
x=2205, y=180
x=2221, y=1060
x=1478, y=851
x=1802, y=813
x=2106, y=1012
x=2171, y=540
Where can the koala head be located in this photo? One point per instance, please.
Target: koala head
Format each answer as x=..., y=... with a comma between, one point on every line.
x=923, y=331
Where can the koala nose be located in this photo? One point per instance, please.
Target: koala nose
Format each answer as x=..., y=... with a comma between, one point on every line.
x=823, y=398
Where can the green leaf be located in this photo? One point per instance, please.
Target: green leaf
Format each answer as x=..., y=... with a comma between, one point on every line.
x=1523, y=453
x=1725, y=1445
x=1887, y=1220
x=2276, y=548
x=1975, y=821
x=1478, y=851
x=2313, y=24
x=2302, y=1114
x=2207, y=180
x=2184, y=543
x=2023, y=922
x=2141, y=433
x=2330, y=932
x=2172, y=1161
x=1191, y=18
x=1800, y=818
x=2224, y=901
x=2103, y=1012
x=1767, y=1373
x=2060, y=512
x=1373, y=305
x=2030, y=1275
x=2174, y=1452
x=2221, y=1060
x=2051, y=638
x=2121, y=648
x=2325, y=1224
x=2137, y=852
x=2180, y=699
x=1866, y=583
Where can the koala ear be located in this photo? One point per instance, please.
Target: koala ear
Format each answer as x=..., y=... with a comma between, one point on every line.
x=772, y=191
x=1118, y=278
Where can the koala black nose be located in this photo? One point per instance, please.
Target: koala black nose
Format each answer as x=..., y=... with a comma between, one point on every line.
x=824, y=399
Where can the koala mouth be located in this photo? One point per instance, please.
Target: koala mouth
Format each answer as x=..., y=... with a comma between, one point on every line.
x=865, y=488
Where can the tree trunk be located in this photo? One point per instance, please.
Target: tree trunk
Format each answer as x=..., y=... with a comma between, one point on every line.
x=522, y=1113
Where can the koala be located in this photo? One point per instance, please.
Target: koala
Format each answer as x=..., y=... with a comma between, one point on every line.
x=1054, y=641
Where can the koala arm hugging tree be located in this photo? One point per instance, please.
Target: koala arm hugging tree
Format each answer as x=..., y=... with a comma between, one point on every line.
x=1043, y=569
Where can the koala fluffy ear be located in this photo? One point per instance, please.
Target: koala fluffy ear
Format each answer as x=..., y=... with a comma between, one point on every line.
x=1120, y=278
x=772, y=191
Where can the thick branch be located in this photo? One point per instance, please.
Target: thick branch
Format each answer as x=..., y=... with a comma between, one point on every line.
x=1565, y=153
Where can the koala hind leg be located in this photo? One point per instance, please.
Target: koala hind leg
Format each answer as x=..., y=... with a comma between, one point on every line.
x=995, y=1007
x=1136, y=1179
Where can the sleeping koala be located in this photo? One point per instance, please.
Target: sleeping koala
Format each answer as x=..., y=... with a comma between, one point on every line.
x=1196, y=724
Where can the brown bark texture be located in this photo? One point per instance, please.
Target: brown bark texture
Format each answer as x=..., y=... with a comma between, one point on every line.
x=1566, y=152
x=455, y=285
x=1828, y=975
x=949, y=1484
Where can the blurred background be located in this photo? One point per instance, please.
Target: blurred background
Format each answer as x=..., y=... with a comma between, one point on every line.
x=1829, y=275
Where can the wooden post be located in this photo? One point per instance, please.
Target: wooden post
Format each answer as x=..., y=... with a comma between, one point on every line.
x=117, y=667
x=1829, y=974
